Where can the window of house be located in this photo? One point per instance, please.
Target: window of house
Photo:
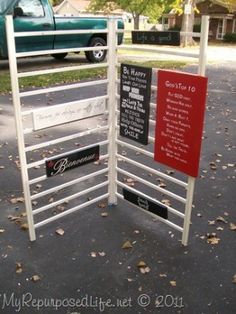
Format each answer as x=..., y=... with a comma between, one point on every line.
x=220, y=29
x=30, y=8
x=234, y=26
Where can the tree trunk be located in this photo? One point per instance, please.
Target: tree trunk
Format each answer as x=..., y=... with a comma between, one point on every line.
x=187, y=24
x=136, y=21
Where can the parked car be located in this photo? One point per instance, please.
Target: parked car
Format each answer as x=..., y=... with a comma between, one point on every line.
x=37, y=15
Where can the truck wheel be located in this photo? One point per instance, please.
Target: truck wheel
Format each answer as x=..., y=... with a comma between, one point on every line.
x=59, y=56
x=96, y=55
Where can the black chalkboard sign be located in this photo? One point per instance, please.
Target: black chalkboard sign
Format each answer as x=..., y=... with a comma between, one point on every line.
x=135, y=90
x=171, y=38
x=145, y=203
x=60, y=164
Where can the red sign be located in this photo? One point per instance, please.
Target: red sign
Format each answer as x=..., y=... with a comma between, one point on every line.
x=179, y=120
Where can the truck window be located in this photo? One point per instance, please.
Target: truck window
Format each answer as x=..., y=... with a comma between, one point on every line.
x=29, y=8
x=3, y=5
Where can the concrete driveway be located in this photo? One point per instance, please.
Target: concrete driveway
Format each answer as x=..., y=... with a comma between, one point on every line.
x=87, y=271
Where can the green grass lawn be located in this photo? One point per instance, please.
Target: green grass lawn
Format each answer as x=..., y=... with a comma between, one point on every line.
x=75, y=76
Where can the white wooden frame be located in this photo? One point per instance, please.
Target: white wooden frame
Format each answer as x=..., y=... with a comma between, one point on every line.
x=113, y=140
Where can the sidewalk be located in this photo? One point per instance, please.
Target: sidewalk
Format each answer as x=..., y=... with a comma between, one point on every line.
x=220, y=54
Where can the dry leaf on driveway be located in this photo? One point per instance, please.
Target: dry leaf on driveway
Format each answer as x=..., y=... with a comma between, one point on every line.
x=127, y=245
x=212, y=238
x=173, y=283
x=232, y=226
x=19, y=268
x=60, y=232
x=234, y=279
x=102, y=205
x=35, y=278
x=143, y=268
x=221, y=219
x=104, y=214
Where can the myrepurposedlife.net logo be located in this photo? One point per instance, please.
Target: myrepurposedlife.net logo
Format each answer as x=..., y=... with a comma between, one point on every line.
x=17, y=303
x=27, y=301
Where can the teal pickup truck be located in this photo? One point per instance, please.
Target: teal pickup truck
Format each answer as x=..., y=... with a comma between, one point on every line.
x=37, y=15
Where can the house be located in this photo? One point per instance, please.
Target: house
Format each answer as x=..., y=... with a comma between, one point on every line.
x=72, y=7
x=222, y=20
x=81, y=7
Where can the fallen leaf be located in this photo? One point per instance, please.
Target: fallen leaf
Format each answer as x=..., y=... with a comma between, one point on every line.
x=17, y=200
x=102, y=254
x=221, y=219
x=102, y=205
x=35, y=278
x=162, y=275
x=144, y=270
x=61, y=208
x=234, y=279
x=51, y=200
x=127, y=245
x=232, y=227
x=170, y=172
x=166, y=202
x=211, y=222
x=93, y=254
x=212, y=238
x=173, y=283
x=213, y=165
x=19, y=269
x=24, y=226
x=60, y=232
x=104, y=214
x=162, y=185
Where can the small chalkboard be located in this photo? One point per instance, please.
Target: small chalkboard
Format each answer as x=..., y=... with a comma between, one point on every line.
x=135, y=90
x=171, y=38
x=60, y=164
x=145, y=203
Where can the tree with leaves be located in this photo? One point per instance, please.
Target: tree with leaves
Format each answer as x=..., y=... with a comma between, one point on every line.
x=135, y=7
x=188, y=19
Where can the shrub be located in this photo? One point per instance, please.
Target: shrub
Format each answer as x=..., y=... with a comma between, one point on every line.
x=230, y=37
x=197, y=28
x=174, y=28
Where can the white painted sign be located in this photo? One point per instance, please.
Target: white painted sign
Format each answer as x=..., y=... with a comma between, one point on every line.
x=68, y=112
x=187, y=9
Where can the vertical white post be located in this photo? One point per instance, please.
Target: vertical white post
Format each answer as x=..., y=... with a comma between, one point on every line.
x=112, y=106
x=19, y=124
x=203, y=45
x=188, y=210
